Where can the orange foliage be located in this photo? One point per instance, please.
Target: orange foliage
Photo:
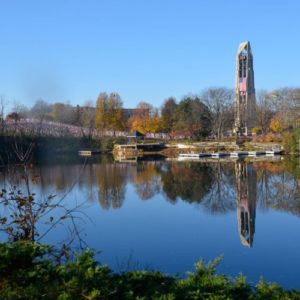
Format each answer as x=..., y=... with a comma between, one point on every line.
x=154, y=124
x=267, y=138
x=137, y=123
x=145, y=124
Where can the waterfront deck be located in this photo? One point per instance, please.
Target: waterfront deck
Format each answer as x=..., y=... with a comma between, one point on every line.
x=141, y=146
x=235, y=154
x=239, y=153
x=88, y=152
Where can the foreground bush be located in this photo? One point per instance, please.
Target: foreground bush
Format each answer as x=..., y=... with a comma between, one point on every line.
x=32, y=271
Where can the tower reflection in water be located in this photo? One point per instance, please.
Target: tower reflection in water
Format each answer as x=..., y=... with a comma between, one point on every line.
x=246, y=201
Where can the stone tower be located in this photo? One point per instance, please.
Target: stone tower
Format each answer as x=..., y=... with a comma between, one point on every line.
x=244, y=91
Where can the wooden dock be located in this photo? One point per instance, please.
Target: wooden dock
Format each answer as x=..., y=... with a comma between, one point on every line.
x=273, y=152
x=141, y=146
x=235, y=154
x=239, y=153
x=137, y=149
x=219, y=154
x=228, y=159
x=88, y=152
x=256, y=153
x=194, y=155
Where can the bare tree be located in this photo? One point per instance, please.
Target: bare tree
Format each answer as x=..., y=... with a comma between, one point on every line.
x=101, y=120
x=296, y=106
x=220, y=103
x=3, y=104
x=264, y=110
x=41, y=110
x=88, y=115
x=21, y=109
x=29, y=216
x=285, y=103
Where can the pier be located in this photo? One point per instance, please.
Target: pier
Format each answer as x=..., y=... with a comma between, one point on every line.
x=235, y=154
x=88, y=152
x=137, y=148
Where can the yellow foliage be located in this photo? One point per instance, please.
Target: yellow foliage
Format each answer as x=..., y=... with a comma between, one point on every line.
x=276, y=124
x=256, y=130
x=145, y=124
x=137, y=123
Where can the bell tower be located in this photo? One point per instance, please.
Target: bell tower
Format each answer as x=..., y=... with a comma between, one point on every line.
x=244, y=91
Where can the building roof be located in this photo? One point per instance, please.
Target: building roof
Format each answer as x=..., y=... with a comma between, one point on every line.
x=135, y=134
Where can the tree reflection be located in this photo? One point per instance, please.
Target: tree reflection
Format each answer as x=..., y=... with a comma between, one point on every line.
x=217, y=187
x=111, y=179
x=189, y=181
x=147, y=180
x=220, y=198
x=278, y=187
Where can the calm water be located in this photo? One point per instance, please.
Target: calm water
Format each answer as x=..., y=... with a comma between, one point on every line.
x=166, y=215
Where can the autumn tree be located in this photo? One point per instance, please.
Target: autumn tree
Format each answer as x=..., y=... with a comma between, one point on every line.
x=147, y=181
x=109, y=112
x=154, y=123
x=145, y=119
x=220, y=103
x=285, y=104
x=276, y=124
x=115, y=112
x=111, y=182
x=63, y=113
x=101, y=112
x=138, y=121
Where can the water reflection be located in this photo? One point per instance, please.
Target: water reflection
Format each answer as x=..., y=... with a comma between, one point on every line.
x=246, y=201
x=216, y=188
x=189, y=182
x=169, y=214
x=111, y=179
x=220, y=199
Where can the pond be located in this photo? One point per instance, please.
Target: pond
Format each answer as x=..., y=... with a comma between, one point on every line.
x=166, y=215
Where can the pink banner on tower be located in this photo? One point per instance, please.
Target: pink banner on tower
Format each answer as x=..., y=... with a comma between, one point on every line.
x=243, y=84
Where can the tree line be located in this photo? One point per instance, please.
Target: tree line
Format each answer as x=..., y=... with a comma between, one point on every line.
x=211, y=113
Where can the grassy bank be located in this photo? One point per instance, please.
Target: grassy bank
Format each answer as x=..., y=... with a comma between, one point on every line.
x=12, y=147
x=32, y=271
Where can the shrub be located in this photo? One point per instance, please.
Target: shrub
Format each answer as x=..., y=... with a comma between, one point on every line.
x=291, y=141
x=32, y=271
x=256, y=130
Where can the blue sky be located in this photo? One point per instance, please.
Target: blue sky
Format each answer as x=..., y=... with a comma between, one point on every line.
x=63, y=50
